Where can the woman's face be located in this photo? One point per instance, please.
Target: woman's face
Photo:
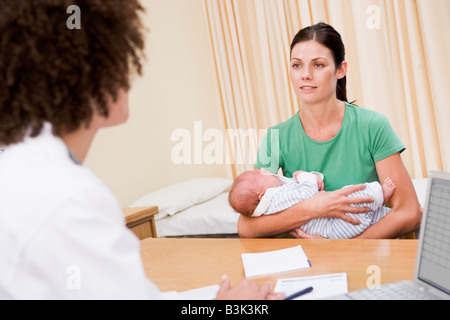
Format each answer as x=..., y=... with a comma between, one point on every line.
x=313, y=72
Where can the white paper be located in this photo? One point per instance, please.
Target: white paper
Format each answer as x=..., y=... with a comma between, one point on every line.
x=324, y=286
x=170, y=295
x=257, y=264
x=203, y=293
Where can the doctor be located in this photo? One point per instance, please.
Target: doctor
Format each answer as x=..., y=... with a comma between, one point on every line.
x=62, y=232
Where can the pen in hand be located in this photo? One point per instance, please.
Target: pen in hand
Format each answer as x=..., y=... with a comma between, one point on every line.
x=299, y=293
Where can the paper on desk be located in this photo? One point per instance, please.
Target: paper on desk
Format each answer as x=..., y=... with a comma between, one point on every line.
x=257, y=264
x=324, y=286
x=204, y=293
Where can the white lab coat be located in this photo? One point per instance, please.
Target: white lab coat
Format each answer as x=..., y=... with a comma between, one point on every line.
x=62, y=232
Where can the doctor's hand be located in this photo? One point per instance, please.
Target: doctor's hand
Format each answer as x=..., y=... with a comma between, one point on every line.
x=337, y=203
x=246, y=290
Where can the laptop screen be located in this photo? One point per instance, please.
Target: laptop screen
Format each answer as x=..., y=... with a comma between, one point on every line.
x=434, y=266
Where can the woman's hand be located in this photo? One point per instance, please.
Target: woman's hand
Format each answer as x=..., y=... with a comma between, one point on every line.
x=323, y=205
x=336, y=204
x=246, y=290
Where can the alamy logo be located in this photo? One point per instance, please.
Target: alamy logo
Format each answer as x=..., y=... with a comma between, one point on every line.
x=213, y=146
x=374, y=280
x=74, y=21
x=374, y=19
x=73, y=281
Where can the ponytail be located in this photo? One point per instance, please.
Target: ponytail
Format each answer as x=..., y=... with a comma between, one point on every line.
x=341, y=89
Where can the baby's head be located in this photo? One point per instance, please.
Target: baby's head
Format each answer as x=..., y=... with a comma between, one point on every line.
x=248, y=189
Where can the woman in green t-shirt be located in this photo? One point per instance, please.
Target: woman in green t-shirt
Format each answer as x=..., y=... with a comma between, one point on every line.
x=348, y=144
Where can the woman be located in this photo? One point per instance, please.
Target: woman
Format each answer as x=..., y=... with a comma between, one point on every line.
x=349, y=145
x=62, y=231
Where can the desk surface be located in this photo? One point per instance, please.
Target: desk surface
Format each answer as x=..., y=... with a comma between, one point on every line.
x=184, y=264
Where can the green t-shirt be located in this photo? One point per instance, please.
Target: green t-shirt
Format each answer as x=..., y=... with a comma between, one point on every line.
x=349, y=158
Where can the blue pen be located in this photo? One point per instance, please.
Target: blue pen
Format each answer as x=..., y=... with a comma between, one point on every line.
x=299, y=293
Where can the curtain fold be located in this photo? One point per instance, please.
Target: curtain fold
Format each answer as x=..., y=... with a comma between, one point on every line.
x=398, y=65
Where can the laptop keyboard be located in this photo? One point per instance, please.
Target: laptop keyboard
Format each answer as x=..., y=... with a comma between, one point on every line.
x=404, y=290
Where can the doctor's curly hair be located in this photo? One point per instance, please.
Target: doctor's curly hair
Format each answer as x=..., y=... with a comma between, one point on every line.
x=52, y=73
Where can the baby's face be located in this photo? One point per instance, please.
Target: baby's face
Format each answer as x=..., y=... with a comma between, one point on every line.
x=267, y=180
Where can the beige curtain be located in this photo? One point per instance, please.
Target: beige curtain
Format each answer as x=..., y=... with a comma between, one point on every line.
x=399, y=65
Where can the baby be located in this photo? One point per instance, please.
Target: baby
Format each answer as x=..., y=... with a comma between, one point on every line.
x=256, y=193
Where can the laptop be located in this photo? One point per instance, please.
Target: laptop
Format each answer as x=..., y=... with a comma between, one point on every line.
x=432, y=268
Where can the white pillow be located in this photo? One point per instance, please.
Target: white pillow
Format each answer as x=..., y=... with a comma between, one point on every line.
x=421, y=189
x=214, y=216
x=180, y=196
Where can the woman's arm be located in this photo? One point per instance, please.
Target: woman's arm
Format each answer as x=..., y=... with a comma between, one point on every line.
x=405, y=214
x=274, y=224
x=323, y=205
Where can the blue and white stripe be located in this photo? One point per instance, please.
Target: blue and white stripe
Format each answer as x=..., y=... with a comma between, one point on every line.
x=291, y=193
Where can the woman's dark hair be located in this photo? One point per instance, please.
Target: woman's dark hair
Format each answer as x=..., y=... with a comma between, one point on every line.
x=52, y=73
x=330, y=38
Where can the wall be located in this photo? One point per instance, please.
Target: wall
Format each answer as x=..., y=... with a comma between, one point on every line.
x=178, y=87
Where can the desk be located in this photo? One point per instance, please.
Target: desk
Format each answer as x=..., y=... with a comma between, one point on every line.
x=184, y=264
x=141, y=221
